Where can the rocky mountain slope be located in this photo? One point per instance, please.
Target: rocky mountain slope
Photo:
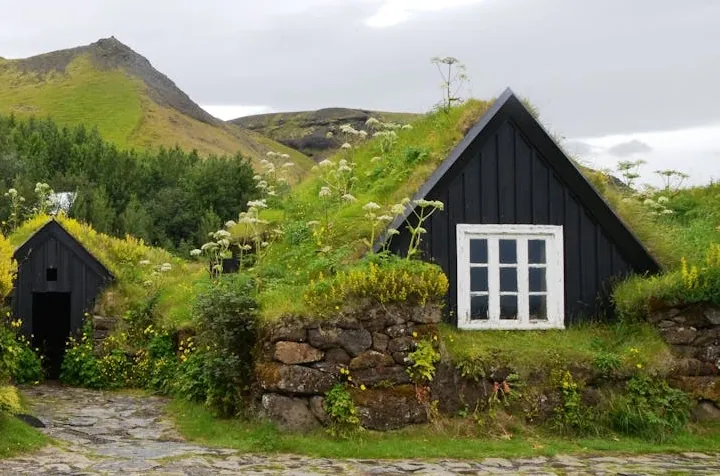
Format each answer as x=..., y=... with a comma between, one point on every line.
x=109, y=86
x=307, y=131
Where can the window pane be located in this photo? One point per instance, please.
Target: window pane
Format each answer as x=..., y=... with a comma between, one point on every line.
x=508, y=251
x=508, y=280
x=538, y=308
x=508, y=307
x=537, y=280
x=479, y=307
x=478, y=279
x=536, y=252
x=478, y=251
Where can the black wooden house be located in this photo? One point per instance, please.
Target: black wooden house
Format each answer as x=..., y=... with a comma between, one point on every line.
x=57, y=282
x=525, y=240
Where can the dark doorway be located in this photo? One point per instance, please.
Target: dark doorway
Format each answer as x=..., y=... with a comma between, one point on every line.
x=51, y=328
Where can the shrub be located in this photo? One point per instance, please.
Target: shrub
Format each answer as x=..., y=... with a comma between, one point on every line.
x=342, y=412
x=18, y=361
x=80, y=367
x=572, y=416
x=650, y=409
x=9, y=399
x=385, y=281
x=422, y=362
x=219, y=368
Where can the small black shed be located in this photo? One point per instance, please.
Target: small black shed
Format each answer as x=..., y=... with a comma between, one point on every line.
x=57, y=282
x=525, y=240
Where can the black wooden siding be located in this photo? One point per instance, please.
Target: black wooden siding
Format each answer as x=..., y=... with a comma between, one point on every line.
x=78, y=273
x=502, y=177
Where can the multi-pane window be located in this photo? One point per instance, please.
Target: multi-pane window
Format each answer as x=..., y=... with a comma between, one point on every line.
x=510, y=277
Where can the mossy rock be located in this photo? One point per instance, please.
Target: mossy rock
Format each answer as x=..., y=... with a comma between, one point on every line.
x=389, y=408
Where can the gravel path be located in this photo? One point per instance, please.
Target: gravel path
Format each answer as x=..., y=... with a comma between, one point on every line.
x=112, y=433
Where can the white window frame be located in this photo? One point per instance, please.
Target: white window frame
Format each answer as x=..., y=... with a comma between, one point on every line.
x=555, y=270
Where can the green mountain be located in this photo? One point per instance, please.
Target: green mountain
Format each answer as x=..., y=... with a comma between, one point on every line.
x=109, y=86
x=307, y=131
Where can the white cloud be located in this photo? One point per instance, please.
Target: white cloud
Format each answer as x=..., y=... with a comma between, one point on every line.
x=694, y=151
x=233, y=111
x=393, y=12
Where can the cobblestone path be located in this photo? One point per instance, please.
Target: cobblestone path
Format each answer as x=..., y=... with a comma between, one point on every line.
x=112, y=433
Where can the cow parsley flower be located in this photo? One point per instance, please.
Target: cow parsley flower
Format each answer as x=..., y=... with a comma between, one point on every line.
x=325, y=163
x=349, y=198
x=324, y=192
x=371, y=206
x=257, y=203
x=346, y=145
x=195, y=252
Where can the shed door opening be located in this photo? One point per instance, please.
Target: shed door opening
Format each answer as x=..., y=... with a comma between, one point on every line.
x=51, y=328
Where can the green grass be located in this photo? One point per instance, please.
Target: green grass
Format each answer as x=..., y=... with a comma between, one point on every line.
x=446, y=439
x=17, y=437
x=690, y=233
x=576, y=346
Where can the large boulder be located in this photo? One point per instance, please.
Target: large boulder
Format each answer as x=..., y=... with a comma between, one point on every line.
x=386, y=375
x=371, y=359
x=296, y=353
x=713, y=316
x=337, y=356
x=380, y=341
x=290, y=414
x=455, y=393
x=705, y=388
x=401, y=344
x=294, y=379
x=706, y=411
x=679, y=335
x=289, y=330
x=354, y=341
x=430, y=314
x=389, y=408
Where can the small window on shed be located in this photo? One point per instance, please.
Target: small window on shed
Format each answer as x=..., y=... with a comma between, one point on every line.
x=51, y=274
x=510, y=277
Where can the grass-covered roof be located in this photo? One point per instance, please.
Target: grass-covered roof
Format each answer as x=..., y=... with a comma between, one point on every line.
x=324, y=232
x=137, y=267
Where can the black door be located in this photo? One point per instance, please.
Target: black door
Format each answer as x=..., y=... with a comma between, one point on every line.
x=51, y=328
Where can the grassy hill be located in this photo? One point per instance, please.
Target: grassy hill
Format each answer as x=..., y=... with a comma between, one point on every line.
x=307, y=131
x=109, y=86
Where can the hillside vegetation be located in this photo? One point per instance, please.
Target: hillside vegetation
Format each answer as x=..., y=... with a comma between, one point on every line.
x=315, y=133
x=168, y=197
x=109, y=86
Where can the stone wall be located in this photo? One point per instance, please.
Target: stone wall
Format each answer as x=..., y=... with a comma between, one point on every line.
x=300, y=361
x=693, y=333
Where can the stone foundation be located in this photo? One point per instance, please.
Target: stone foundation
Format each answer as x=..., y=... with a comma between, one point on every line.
x=693, y=333
x=300, y=361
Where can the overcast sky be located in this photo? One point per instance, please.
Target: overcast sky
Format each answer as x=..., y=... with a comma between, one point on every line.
x=621, y=79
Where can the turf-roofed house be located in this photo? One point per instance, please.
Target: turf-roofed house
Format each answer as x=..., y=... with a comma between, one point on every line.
x=525, y=240
x=58, y=281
